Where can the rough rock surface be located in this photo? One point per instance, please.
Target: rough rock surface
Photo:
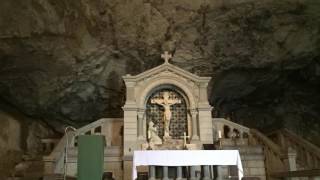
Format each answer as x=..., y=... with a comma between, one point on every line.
x=20, y=137
x=63, y=60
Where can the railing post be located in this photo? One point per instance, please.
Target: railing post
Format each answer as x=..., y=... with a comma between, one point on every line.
x=179, y=173
x=206, y=173
x=192, y=173
x=219, y=172
x=292, y=155
x=152, y=173
x=165, y=173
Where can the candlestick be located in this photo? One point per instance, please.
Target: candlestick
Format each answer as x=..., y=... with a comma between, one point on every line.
x=219, y=134
x=184, y=138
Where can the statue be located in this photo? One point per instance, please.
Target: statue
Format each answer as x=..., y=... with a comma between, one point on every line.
x=166, y=103
x=153, y=134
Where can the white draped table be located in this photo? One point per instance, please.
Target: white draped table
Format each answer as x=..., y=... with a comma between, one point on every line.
x=186, y=158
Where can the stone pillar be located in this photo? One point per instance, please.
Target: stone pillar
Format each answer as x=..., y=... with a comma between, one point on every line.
x=141, y=113
x=206, y=173
x=179, y=173
x=292, y=156
x=165, y=173
x=219, y=173
x=152, y=173
x=193, y=173
x=194, y=114
x=205, y=119
x=292, y=164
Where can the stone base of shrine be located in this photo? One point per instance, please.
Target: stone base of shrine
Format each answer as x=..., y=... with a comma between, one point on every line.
x=170, y=144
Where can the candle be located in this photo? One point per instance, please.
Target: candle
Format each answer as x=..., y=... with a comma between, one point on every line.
x=219, y=134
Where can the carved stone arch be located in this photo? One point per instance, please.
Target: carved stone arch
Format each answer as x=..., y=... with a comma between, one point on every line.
x=171, y=87
x=157, y=83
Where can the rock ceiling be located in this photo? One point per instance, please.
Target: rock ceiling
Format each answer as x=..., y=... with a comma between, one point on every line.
x=63, y=60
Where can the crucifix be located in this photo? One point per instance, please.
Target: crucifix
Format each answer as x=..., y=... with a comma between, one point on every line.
x=166, y=102
x=166, y=56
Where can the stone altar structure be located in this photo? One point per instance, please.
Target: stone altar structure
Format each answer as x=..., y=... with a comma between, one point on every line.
x=174, y=100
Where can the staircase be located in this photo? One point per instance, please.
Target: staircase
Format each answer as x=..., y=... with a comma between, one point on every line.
x=28, y=169
x=235, y=136
x=280, y=154
x=54, y=162
x=252, y=158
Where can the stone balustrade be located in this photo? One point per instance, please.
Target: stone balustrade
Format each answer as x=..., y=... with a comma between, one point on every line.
x=49, y=144
x=308, y=155
x=180, y=173
x=54, y=162
x=228, y=129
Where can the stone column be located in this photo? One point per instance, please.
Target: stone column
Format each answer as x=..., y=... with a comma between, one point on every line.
x=141, y=113
x=219, y=173
x=165, y=173
x=152, y=173
x=206, y=173
x=292, y=164
x=193, y=173
x=179, y=173
x=194, y=114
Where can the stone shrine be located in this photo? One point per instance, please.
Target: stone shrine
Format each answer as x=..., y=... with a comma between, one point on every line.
x=168, y=103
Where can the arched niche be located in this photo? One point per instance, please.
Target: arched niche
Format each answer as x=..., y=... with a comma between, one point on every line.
x=158, y=83
x=179, y=122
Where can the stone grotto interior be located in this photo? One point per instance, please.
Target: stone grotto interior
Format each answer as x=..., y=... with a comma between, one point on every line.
x=157, y=76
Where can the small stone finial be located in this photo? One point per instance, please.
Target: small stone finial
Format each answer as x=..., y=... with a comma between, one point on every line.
x=166, y=56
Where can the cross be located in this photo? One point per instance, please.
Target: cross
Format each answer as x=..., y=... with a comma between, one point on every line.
x=166, y=102
x=166, y=56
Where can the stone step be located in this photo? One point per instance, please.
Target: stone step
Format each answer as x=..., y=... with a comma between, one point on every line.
x=30, y=169
x=234, y=142
x=251, y=157
x=246, y=149
x=57, y=177
x=253, y=163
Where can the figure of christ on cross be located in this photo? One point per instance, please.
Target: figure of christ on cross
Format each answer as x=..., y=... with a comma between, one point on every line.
x=165, y=102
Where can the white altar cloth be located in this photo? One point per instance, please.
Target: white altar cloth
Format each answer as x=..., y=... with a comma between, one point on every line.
x=186, y=158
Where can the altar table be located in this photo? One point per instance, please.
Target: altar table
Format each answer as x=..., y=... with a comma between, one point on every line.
x=186, y=158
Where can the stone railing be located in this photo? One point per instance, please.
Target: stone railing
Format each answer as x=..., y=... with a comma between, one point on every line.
x=178, y=172
x=308, y=155
x=49, y=144
x=229, y=129
x=283, y=150
x=300, y=174
x=54, y=163
x=275, y=157
x=96, y=127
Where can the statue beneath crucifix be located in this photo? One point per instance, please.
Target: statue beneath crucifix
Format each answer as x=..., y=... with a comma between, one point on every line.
x=153, y=134
x=166, y=102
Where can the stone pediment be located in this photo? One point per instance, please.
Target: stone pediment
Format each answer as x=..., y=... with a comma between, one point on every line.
x=166, y=70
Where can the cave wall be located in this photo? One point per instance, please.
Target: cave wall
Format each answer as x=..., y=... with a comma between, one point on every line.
x=20, y=136
x=10, y=143
x=62, y=61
